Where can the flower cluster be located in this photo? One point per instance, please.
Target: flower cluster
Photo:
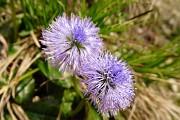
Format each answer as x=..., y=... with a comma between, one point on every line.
x=73, y=44
x=109, y=84
x=71, y=41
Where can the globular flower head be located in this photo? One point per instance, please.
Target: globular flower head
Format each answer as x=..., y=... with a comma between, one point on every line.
x=70, y=41
x=109, y=84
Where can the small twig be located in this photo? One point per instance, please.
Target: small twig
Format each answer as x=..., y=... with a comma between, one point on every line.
x=11, y=111
x=35, y=39
x=4, y=64
x=3, y=40
x=19, y=112
x=13, y=68
x=140, y=15
x=133, y=110
x=156, y=79
x=4, y=99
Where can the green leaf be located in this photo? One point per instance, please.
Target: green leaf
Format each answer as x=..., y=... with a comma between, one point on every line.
x=66, y=107
x=43, y=68
x=67, y=101
x=92, y=114
x=38, y=116
x=25, y=90
x=69, y=96
x=63, y=83
x=45, y=109
x=8, y=116
x=54, y=73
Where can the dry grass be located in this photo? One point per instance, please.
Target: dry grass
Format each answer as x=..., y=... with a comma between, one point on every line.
x=156, y=101
x=20, y=62
x=150, y=104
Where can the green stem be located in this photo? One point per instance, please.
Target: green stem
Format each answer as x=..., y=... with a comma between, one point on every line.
x=76, y=83
x=81, y=104
x=28, y=74
x=78, y=108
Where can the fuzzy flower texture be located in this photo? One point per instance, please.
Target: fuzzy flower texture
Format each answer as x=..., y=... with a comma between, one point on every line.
x=73, y=44
x=71, y=41
x=109, y=84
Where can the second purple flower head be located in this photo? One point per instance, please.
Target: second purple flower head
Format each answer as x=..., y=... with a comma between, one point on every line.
x=109, y=84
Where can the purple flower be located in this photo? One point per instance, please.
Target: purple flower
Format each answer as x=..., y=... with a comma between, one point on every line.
x=70, y=41
x=109, y=84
